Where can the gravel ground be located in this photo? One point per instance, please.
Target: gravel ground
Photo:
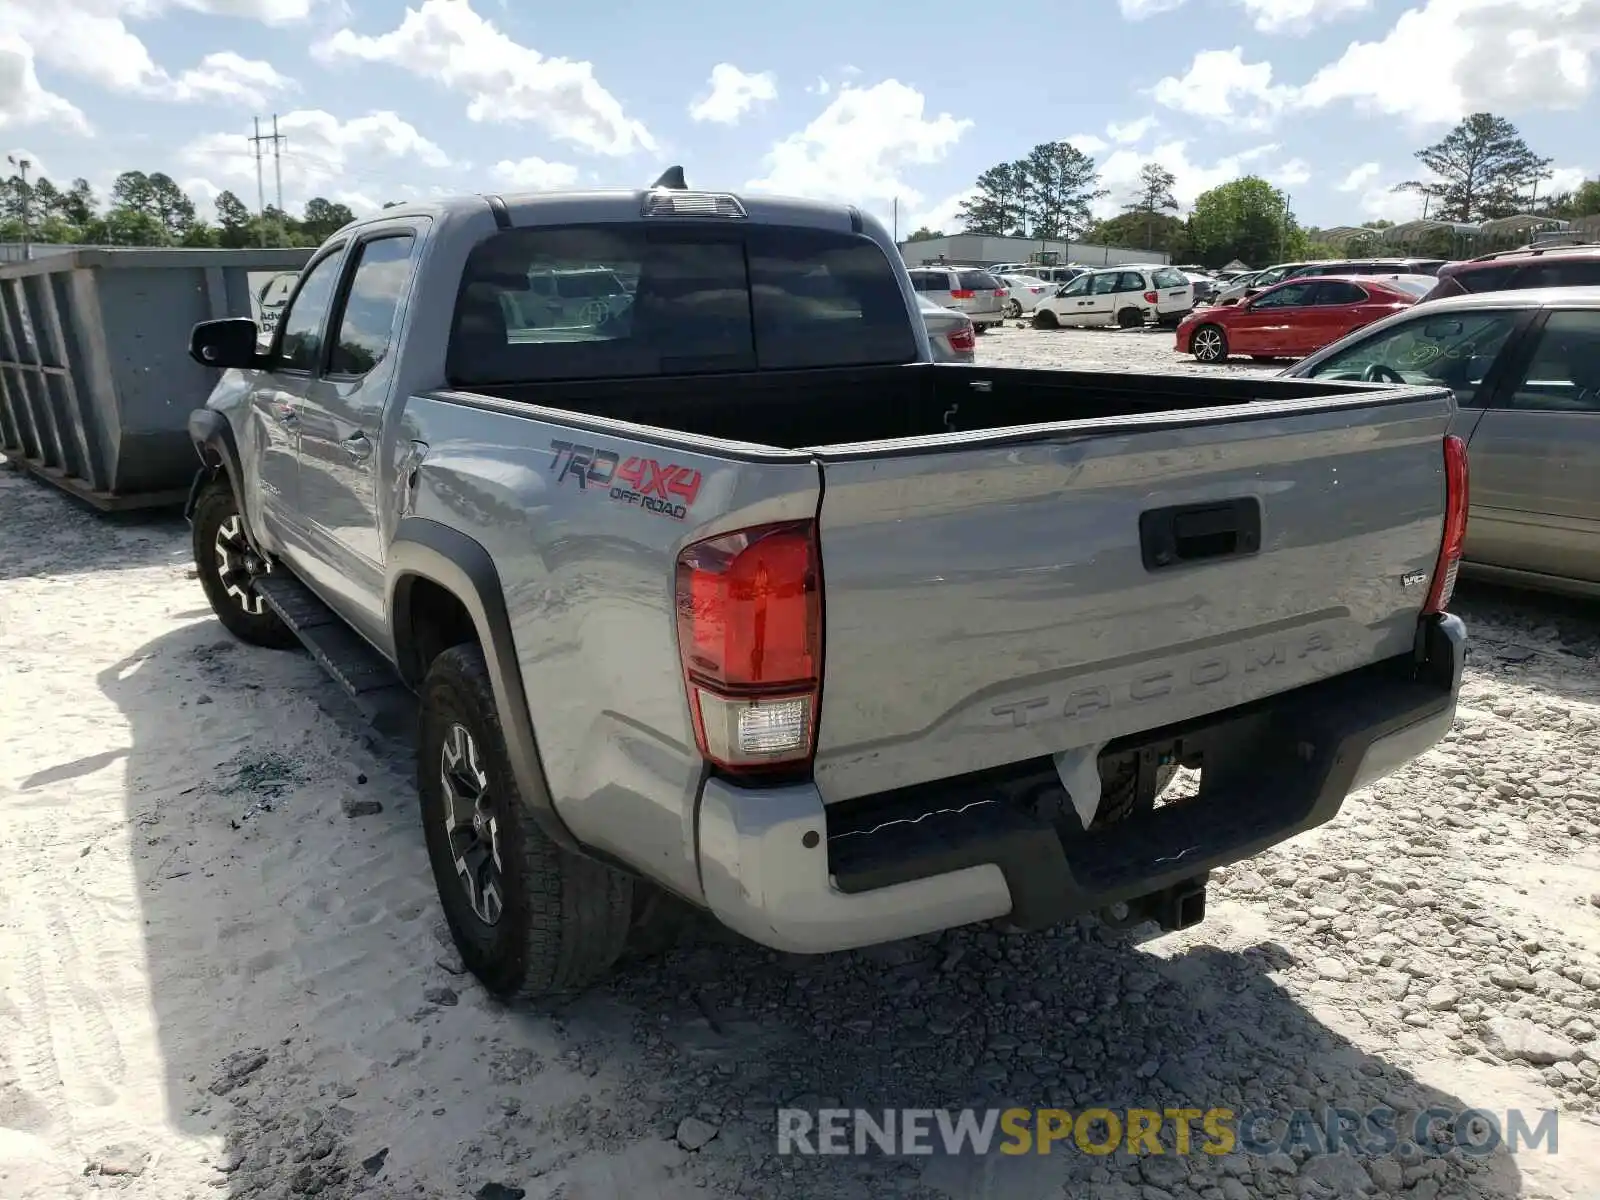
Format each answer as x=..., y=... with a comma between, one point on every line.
x=221, y=972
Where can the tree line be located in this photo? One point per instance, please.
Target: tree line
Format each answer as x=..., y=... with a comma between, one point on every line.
x=1483, y=169
x=152, y=210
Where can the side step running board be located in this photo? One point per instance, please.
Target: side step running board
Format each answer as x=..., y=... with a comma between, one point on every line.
x=364, y=674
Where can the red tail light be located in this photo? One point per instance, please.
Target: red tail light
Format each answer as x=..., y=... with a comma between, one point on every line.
x=964, y=339
x=1000, y=293
x=750, y=642
x=1151, y=297
x=1455, y=526
x=963, y=294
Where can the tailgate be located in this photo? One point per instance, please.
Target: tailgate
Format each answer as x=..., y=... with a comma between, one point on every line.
x=998, y=596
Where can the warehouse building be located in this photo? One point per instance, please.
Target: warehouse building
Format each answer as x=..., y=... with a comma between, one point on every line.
x=981, y=249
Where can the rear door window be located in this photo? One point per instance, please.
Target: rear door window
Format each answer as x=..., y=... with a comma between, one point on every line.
x=1564, y=372
x=1561, y=273
x=1132, y=281
x=978, y=281
x=1491, y=279
x=1336, y=291
x=549, y=303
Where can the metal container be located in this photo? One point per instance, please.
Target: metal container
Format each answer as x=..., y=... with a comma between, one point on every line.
x=96, y=383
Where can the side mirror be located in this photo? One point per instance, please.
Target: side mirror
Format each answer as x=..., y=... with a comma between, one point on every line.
x=229, y=342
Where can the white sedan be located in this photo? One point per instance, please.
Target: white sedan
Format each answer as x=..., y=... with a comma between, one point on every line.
x=1026, y=293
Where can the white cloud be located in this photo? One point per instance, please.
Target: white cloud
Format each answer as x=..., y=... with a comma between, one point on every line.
x=1289, y=174
x=446, y=41
x=1088, y=143
x=1119, y=173
x=944, y=216
x=1360, y=177
x=90, y=38
x=24, y=100
x=1564, y=179
x=1298, y=16
x=1447, y=58
x=1138, y=10
x=1268, y=16
x=858, y=146
x=820, y=88
x=733, y=93
x=1129, y=132
x=534, y=173
x=1222, y=87
x=226, y=76
x=321, y=151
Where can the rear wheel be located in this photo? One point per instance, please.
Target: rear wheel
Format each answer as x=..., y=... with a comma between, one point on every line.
x=1013, y=309
x=229, y=567
x=1044, y=318
x=529, y=918
x=1209, y=344
x=1130, y=318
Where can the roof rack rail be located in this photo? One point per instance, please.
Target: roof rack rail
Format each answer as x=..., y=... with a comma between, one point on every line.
x=1534, y=251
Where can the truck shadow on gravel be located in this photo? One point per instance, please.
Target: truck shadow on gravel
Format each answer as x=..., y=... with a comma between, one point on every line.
x=310, y=1020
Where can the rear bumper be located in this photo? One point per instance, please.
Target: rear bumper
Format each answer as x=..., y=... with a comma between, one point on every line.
x=781, y=868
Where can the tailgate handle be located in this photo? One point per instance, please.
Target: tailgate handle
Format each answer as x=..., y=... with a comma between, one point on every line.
x=1199, y=532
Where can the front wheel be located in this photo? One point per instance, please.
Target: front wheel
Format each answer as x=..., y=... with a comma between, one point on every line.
x=529, y=918
x=1209, y=344
x=229, y=566
x=1013, y=309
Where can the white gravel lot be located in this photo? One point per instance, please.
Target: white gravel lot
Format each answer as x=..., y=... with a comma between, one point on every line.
x=214, y=982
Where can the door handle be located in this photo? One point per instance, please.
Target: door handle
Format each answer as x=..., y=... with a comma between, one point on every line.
x=358, y=447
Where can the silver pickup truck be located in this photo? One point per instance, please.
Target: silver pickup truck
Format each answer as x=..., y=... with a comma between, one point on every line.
x=705, y=585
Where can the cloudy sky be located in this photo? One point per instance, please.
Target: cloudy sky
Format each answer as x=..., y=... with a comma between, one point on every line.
x=381, y=100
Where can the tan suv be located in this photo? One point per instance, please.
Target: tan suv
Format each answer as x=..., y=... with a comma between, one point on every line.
x=967, y=290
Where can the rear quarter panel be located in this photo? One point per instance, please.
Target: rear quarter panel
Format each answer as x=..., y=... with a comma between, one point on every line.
x=588, y=577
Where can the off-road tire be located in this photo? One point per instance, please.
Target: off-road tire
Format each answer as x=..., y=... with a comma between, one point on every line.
x=564, y=919
x=214, y=508
x=1045, y=318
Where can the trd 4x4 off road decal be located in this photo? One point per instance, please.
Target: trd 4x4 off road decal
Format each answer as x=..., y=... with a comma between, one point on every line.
x=664, y=488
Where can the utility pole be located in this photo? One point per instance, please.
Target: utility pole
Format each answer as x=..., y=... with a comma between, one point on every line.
x=22, y=165
x=277, y=165
x=261, y=191
x=276, y=139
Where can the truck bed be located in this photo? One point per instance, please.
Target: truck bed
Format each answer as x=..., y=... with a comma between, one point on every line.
x=835, y=407
x=1022, y=563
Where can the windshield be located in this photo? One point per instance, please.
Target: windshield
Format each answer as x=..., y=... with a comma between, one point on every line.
x=1454, y=350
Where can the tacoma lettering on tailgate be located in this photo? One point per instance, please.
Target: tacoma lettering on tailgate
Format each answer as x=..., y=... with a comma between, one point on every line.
x=1159, y=682
x=667, y=489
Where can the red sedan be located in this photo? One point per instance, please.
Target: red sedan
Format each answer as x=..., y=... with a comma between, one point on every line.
x=1292, y=319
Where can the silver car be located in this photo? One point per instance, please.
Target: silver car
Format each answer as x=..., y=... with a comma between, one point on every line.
x=950, y=334
x=1525, y=367
x=966, y=289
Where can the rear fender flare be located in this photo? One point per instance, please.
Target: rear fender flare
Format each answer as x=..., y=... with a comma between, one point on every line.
x=427, y=550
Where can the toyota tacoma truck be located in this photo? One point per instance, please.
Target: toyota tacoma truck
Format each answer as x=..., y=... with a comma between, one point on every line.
x=705, y=586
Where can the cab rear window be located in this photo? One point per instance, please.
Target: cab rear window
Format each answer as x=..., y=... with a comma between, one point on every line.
x=664, y=301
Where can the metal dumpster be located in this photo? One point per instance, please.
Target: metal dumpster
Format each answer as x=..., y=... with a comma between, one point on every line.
x=96, y=383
